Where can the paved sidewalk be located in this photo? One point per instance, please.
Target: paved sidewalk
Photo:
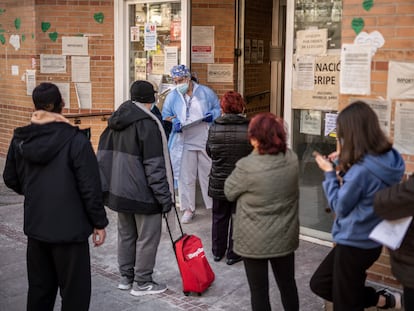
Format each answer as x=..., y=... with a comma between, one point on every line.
x=229, y=291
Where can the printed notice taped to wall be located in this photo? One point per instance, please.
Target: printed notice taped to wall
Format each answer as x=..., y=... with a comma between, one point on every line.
x=74, y=45
x=400, y=80
x=51, y=63
x=84, y=95
x=64, y=89
x=220, y=73
x=355, y=69
x=310, y=122
x=382, y=108
x=202, y=44
x=305, y=73
x=311, y=42
x=30, y=81
x=319, y=90
x=404, y=127
x=81, y=69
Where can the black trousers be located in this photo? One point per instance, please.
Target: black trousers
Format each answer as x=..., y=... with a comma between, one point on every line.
x=65, y=266
x=408, y=299
x=341, y=276
x=222, y=228
x=284, y=272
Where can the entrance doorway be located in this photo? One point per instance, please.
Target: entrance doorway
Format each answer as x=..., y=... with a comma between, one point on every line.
x=261, y=40
x=151, y=36
x=262, y=32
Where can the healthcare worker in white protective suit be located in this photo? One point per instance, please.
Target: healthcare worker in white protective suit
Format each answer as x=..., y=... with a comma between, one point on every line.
x=191, y=107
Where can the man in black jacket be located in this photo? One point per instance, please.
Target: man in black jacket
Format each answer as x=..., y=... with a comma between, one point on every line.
x=138, y=184
x=53, y=165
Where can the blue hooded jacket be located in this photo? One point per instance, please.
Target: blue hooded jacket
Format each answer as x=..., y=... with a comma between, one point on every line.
x=353, y=201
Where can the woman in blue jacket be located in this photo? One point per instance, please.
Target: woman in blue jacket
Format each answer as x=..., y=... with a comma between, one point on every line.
x=367, y=163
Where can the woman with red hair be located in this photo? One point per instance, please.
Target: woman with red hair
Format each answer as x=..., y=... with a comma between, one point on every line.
x=227, y=143
x=266, y=225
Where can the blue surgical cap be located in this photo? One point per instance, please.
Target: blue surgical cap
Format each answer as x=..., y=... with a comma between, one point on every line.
x=180, y=71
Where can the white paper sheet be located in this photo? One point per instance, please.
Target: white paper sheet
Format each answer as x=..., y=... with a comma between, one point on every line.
x=192, y=123
x=355, y=75
x=391, y=233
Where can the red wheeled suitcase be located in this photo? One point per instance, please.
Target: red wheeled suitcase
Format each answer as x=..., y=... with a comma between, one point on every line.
x=196, y=272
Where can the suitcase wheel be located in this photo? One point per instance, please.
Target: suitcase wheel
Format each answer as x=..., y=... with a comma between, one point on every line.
x=188, y=294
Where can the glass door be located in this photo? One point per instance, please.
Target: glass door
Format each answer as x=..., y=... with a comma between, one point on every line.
x=150, y=37
x=308, y=109
x=154, y=41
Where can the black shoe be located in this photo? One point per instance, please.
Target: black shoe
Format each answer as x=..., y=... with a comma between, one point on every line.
x=232, y=261
x=217, y=258
x=392, y=299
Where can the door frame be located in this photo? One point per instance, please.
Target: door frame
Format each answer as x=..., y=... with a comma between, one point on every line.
x=277, y=67
x=121, y=43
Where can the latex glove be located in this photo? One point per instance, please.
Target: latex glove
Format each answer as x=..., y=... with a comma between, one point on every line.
x=177, y=127
x=208, y=117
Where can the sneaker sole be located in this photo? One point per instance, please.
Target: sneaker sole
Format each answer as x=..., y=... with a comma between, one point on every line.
x=124, y=287
x=149, y=292
x=397, y=301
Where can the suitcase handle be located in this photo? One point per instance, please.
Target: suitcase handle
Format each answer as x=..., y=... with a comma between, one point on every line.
x=168, y=225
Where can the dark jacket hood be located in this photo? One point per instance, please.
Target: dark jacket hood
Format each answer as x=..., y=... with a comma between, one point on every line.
x=39, y=143
x=125, y=115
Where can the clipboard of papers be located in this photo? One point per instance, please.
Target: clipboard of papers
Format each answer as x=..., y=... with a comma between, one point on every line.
x=191, y=123
x=391, y=233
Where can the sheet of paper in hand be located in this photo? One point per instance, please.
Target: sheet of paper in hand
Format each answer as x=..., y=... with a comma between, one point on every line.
x=191, y=123
x=391, y=233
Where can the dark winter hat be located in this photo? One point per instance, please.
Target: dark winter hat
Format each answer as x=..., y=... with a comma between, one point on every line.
x=143, y=92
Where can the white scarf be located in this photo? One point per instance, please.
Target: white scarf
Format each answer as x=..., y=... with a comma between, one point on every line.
x=170, y=216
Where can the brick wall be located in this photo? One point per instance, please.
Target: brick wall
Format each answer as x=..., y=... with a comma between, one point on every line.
x=66, y=18
x=221, y=15
x=15, y=105
x=395, y=21
x=71, y=18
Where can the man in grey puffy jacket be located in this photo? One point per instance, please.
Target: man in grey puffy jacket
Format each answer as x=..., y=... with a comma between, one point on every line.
x=137, y=183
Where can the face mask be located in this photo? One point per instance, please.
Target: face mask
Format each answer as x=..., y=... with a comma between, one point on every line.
x=182, y=88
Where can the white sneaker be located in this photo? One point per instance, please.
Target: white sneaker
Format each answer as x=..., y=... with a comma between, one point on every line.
x=187, y=216
x=148, y=288
x=125, y=283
